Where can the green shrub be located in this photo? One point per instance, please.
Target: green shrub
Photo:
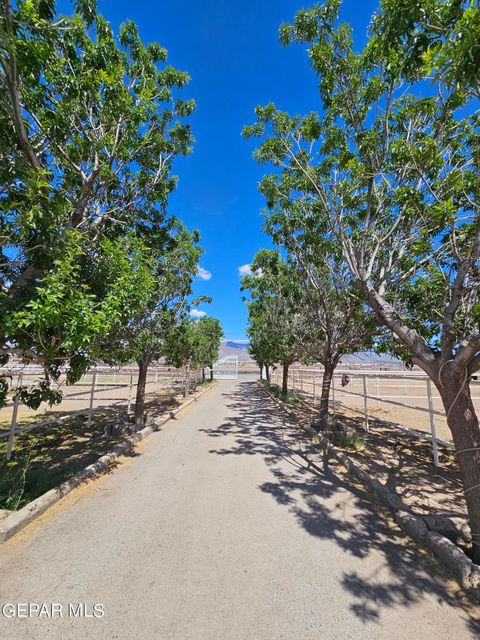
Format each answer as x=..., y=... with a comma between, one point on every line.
x=349, y=441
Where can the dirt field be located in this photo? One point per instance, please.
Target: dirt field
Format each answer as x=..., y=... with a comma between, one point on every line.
x=386, y=391
x=112, y=390
x=404, y=464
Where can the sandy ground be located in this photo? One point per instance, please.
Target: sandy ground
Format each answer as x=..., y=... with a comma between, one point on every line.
x=226, y=527
x=404, y=464
x=110, y=391
x=404, y=391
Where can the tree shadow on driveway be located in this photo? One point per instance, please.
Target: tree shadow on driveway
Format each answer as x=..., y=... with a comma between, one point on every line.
x=328, y=508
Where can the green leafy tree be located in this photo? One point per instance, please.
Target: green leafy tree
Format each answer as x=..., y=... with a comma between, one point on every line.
x=276, y=328
x=431, y=38
x=390, y=168
x=182, y=349
x=210, y=333
x=262, y=342
x=90, y=125
x=167, y=287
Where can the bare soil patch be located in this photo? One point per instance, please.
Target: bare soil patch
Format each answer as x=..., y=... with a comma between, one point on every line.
x=402, y=462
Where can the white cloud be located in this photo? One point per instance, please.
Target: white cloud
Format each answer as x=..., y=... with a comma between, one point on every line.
x=196, y=313
x=203, y=273
x=244, y=270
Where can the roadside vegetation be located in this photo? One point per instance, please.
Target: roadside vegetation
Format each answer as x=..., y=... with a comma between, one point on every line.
x=94, y=268
x=373, y=200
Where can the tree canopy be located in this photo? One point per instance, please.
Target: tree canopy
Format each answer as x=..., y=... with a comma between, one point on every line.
x=388, y=169
x=90, y=125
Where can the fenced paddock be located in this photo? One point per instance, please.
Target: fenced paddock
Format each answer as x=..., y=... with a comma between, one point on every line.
x=403, y=399
x=98, y=389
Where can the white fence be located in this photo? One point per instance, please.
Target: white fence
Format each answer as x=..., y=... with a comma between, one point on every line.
x=98, y=389
x=418, y=409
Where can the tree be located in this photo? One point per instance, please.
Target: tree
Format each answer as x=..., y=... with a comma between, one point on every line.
x=262, y=344
x=71, y=314
x=391, y=167
x=210, y=333
x=276, y=328
x=90, y=125
x=192, y=344
x=436, y=38
x=172, y=267
x=335, y=318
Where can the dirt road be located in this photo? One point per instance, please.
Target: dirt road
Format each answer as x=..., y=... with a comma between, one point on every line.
x=223, y=527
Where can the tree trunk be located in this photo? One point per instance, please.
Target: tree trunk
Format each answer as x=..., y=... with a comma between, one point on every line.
x=203, y=375
x=454, y=390
x=143, y=365
x=267, y=373
x=325, y=395
x=186, y=389
x=286, y=366
x=261, y=371
x=463, y=423
x=211, y=371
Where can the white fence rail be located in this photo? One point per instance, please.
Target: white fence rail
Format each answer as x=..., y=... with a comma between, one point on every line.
x=98, y=389
x=372, y=393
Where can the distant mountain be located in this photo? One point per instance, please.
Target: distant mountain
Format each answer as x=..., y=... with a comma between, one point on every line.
x=234, y=348
x=237, y=345
x=369, y=358
x=356, y=360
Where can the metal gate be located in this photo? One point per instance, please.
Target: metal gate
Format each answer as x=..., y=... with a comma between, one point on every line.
x=226, y=368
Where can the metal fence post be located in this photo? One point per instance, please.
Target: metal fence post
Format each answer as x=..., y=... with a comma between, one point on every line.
x=314, y=392
x=365, y=401
x=432, y=423
x=377, y=390
x=130, y=392
x=92, y=394
x=14, y=417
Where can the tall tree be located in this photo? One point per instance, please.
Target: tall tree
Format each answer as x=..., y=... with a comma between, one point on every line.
x=391, y=167
x=190, y=345
x=210, y=334
x=90, y=125
x=276, y=326
x=172, y=267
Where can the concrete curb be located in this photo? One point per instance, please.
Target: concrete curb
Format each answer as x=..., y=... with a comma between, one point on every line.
x=419, y=529
x=18, y=520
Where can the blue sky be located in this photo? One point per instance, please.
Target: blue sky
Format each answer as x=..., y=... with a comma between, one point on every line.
x=231, y=50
